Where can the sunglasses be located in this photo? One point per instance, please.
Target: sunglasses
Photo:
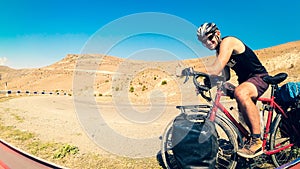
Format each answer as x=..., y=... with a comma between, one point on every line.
x=211, y=37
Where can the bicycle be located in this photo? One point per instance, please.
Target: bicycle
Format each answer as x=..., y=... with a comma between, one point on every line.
x=282, y=147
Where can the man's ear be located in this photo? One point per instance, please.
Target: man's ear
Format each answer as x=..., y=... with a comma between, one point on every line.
x=218, y=32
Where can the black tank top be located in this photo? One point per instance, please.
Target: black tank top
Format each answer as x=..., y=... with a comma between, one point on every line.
x=246, y=64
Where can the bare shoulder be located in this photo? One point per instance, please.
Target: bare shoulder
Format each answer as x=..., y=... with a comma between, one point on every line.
x=232, y=40
x=234, y=43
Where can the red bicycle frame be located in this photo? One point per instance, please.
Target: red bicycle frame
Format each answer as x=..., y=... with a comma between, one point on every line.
x=270, y=102
x=218, y=105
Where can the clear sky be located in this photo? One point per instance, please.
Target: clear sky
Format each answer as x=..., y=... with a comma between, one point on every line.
x=37, y=33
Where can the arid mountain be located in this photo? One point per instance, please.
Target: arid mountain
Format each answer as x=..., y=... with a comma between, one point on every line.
x=136, y=78
x=282, y=58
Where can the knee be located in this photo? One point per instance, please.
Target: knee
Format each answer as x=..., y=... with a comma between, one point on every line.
x=240, y=94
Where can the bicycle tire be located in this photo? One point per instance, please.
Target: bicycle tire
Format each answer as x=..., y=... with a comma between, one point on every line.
x=226, y=157
x=276, y=138
x=168, y=159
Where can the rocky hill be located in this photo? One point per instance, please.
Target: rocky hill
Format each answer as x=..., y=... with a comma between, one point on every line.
x=135, y=78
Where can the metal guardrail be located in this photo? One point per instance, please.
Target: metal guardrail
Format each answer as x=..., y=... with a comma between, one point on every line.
x=18, y=92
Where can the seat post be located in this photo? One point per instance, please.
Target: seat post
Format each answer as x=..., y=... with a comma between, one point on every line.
x=273, y=89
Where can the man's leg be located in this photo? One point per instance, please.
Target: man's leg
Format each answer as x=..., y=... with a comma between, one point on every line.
x=245, y=93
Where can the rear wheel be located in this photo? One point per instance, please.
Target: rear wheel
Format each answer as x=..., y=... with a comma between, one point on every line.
x=226, y=157
x=279, y=138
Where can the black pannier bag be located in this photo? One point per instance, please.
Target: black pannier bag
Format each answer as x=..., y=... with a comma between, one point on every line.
x=288, y=97
x=194, y=141
x=288, y=94
x=293, y=120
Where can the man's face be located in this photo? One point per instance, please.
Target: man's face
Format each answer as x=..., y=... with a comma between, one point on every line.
x=209, y=41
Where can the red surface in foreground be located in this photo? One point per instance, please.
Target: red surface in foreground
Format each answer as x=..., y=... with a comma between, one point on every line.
x=12, y=158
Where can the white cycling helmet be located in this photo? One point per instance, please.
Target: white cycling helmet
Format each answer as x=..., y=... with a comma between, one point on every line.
x=206, y=29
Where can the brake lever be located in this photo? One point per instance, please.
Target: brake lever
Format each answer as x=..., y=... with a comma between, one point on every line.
x=186, y=72
x=186, y=79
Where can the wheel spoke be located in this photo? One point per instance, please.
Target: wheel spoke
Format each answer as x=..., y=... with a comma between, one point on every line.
x=279, y=140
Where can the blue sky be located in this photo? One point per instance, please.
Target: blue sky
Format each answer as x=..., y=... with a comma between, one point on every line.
x=38, y=33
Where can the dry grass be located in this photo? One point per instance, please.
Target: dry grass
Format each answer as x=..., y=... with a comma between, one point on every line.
x=65, y=154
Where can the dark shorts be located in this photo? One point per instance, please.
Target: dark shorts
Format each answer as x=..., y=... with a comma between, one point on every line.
x=261, y=86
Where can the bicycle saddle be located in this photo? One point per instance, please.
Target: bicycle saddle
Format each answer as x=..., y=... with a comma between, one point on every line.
x=275, y=79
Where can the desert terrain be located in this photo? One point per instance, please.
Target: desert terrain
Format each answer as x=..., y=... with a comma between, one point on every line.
x=135, y=100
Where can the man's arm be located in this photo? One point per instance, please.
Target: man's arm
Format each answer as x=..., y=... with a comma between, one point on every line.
x=227, y=46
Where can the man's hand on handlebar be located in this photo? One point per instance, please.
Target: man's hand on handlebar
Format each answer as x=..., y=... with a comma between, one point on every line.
x=205, y=83
x=213, y=80
x=187, y=71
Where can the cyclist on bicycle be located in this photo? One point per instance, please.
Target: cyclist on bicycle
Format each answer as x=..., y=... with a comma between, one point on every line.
x=232, y=52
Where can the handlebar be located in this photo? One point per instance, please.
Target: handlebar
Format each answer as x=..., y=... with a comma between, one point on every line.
x=208, y=82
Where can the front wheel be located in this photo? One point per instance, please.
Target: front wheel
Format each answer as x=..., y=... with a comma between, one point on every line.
x=226, y=157
x=282, y=136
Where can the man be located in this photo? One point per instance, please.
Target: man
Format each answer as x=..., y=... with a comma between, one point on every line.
x=232, y=52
